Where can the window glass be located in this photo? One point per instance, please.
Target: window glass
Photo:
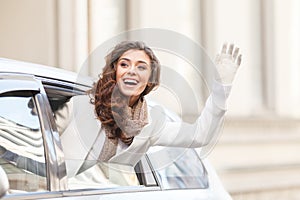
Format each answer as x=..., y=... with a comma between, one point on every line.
x=21, y=144
x=178, y=168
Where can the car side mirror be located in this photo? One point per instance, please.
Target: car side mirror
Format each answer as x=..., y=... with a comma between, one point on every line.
x=4, y=184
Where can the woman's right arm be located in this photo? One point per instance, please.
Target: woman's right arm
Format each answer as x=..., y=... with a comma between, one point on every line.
x=210, y=121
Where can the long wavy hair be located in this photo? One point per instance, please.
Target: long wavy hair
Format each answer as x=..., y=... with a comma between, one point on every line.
x=107, y=107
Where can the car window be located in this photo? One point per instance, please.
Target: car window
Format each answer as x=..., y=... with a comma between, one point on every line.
x=178, y=168
x=21, y=144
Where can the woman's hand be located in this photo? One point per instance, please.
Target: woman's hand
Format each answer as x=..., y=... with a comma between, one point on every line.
x=227, y=64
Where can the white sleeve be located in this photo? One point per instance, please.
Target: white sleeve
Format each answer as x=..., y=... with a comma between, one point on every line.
x=198, y=134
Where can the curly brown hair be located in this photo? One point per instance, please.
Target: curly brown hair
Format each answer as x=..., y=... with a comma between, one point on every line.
x=105, y=105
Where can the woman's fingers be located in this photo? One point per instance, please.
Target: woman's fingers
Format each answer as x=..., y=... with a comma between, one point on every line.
x=230, y=50
x=239, y=60
x=235, y=53
x=224, y=48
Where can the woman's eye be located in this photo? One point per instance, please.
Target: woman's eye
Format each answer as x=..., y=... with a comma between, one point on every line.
x=142, y=68
x=124, y=65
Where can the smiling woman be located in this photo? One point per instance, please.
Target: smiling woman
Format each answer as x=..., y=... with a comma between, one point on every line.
x=127, y=129
x=131, y=71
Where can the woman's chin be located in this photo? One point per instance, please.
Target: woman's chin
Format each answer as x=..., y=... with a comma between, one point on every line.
x=130, y=92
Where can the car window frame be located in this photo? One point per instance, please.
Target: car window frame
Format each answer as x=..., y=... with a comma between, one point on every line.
x=56, y=168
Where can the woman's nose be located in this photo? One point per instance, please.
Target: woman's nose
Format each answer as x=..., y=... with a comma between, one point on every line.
x=132, y=69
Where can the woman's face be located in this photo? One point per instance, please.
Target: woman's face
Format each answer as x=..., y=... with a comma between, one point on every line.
x=133, y=73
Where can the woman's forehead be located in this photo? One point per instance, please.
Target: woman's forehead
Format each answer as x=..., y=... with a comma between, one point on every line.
x=135, y=55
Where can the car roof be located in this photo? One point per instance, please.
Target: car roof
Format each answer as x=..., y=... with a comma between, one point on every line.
x=22, y=67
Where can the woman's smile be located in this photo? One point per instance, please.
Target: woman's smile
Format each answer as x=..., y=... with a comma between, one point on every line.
x=130, y=82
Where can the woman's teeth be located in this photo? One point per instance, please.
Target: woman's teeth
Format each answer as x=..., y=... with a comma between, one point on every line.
x=130, y=82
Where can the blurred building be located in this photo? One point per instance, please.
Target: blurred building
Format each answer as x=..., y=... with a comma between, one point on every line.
x=256, y=156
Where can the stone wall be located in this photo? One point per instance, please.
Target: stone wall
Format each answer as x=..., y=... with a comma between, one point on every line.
x=259, y=158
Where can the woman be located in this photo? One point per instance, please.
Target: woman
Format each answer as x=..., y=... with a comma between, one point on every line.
x=128, y=130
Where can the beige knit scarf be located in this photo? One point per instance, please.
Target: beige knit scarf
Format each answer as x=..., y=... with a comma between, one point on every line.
x=130, y=121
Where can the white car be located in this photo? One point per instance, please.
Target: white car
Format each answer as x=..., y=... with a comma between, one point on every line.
x=47, y=127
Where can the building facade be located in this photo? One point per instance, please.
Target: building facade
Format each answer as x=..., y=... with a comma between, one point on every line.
x=263, y=108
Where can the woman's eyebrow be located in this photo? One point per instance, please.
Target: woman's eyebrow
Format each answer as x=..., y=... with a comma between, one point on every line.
x=139, y=61
x=127, y=59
